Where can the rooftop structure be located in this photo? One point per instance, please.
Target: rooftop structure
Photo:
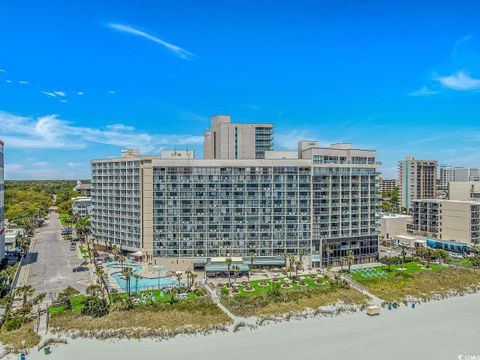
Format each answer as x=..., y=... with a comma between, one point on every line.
x=227, y=140
x=82, y=206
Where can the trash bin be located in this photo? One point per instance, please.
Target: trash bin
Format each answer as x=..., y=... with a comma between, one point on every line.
x=47, y=350
x=389, y=306
x=413, y=305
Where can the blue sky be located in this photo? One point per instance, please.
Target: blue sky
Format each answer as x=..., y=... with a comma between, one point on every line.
x=82, y=80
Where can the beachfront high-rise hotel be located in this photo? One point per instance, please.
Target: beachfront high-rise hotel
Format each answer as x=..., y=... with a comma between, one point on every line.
x=237, y=203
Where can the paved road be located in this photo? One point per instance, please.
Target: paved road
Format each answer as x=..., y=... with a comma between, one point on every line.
x=51, y=261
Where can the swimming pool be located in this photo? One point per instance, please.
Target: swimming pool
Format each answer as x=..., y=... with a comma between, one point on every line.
x=143, y=282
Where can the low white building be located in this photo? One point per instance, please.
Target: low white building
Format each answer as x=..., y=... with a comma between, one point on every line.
x=11, y=236
x=82, y=206
x=392, y=225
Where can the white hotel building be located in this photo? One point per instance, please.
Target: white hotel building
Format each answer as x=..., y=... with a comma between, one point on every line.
x=174, y=206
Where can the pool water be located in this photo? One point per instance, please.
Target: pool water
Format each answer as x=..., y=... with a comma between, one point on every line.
x=143, y=282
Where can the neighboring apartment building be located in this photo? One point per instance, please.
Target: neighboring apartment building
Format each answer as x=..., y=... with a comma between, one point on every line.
x=2, y=205
x=450, y=174
x=392, y=225
x=464, y=190
x=82, y=206
x=84, y=188
x=202, y=208
x=227, y=140
x=386, y=185
x=447, y=219
x=417, y=180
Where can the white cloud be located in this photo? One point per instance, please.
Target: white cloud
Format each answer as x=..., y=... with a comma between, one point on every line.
x=73, y=164
x=111, y=92
x=23, y=82
x=60, y=93
x=51, y=132
x=459, y=81
x=21, y=171
x=80, y=93
x=177, y=50
x=63, y=100
x=423, y=91
x=40, y=163
x=8, y=81
x=48, y=93
x=2, y=70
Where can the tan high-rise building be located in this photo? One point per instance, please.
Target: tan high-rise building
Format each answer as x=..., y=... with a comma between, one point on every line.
x=417, y=180
x=447, y=219
x=227, y=140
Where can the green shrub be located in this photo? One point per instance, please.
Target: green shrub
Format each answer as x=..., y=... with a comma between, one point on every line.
x=15, y=323
x=225, y=291
x=95, y=307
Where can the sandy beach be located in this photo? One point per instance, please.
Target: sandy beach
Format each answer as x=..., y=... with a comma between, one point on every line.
x=436, y=330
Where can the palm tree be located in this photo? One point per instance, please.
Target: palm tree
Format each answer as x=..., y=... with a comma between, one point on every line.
x=285, y=260
x=329, y=252
x=252, y=257
x=122, y=260
x=25, y=292
x=127, y=273
x=228, y=261
x=350, y=259
x=93, y=290
x=179, y=276
x=136, y=276
x=115, y=251
x=236, y=270
x=403, y=253
x=300, y=255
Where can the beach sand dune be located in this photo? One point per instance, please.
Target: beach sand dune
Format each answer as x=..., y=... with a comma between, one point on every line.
x=436, y=330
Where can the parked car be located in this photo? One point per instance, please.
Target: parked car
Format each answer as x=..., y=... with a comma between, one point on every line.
x=75, y=239
x=80, y=268
x=73, y=247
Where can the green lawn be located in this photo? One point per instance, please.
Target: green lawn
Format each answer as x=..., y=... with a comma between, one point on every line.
x=64, y=218
x=77, y=305
x=463, y=262
x=258, y=290
x=156, y=294
x=411, y=267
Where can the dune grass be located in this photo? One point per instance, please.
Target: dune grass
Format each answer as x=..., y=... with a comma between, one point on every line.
x=423, y=285
x=13, y=339
x=292, y=301
x=144, y=321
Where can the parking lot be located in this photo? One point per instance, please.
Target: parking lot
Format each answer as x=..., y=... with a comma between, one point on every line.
x=51, y=261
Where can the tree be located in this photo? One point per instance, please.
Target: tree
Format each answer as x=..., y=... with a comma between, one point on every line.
x=301, y=253
x=127, y=273
x=95, y=306
x=179, y=276
x=475, y=260
x=39, y=298
x=66, y=295
x=236, y=271
x=252, y=257
x=122, y=260
x=387, y=260
x=24, y=291
x=136, y=276
x=94, y=290
x=403, y=253
x=329, y=252
x=350, y=259
x=228, y=261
